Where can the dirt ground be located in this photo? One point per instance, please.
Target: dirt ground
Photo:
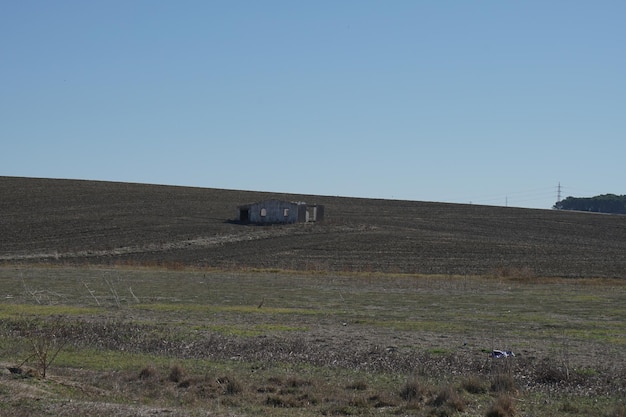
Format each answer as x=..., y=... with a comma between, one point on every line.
x=66, y=221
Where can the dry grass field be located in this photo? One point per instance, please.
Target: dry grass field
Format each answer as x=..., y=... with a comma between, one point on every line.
x=149, y=300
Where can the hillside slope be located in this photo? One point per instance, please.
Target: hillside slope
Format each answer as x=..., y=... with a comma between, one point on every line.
x=72, y=221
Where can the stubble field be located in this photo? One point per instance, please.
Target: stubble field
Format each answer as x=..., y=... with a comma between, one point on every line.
x=89, y=222
x=159, y=304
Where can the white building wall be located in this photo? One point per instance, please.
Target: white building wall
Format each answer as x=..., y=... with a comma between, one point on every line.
x=273, y=211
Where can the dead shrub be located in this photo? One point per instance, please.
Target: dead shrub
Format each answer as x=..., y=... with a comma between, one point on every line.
x=46, y=340
x=266, y=389
x=550, y=373
x=341, y=409
x=185, y=383
x=148, y=372
x=474, y=385
x=502, y=375
x=295, y=382
x=150, y=384
x=620, y=410
x=412, y=390
x=276, y=380
x=569, y=408
x=381, y=400
x=203, y=388
x=524, y=273
x=448, y=397
x=231, y=385
x=357, y=386
x=503, y=407
x=177, y=374
x=274, y=401
x=503, y=383
x=359, y=402
x=281, y=401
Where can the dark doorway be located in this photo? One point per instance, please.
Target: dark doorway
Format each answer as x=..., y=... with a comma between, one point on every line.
x=244, y=215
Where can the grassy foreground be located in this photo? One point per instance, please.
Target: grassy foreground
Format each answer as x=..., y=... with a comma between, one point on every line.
x=146, y=341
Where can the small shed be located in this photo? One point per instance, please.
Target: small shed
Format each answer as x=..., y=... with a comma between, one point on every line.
x=277, y=211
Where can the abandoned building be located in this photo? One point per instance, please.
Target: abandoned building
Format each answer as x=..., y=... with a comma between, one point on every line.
x=277, y=211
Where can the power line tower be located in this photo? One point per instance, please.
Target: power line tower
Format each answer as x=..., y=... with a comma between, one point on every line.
x=558, y=192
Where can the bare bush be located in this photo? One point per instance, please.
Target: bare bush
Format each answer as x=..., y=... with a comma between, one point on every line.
x=282, y=401
x=46, y=341
x=474, y=385
x=502, y=383
x=503, y=407
x=620, y=410
x=177, y=374
x=230, y=385
x=502, y=375
x=412, y=390
x=523, y=273
x=359, y=385
x=148, y=372
x=295, y=382
x=448, y=397
x=551, y=372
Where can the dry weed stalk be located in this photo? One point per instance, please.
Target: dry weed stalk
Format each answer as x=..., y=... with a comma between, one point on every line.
x=46, y=343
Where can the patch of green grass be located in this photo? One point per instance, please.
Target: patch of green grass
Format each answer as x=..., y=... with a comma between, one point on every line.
x=586, y=298
x=106, y=360
x=598, y=334
x=587, y=372
x=439, y=351
x=254, y=330
x=14, y=310
x=200, y=308
x=417, y=325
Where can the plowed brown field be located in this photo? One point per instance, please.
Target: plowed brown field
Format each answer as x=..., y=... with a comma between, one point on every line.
x=71, y=221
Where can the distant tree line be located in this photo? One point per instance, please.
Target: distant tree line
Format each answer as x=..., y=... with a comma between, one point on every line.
x=605, y=203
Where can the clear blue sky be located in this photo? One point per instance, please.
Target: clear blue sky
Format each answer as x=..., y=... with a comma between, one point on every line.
x=489, y=102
